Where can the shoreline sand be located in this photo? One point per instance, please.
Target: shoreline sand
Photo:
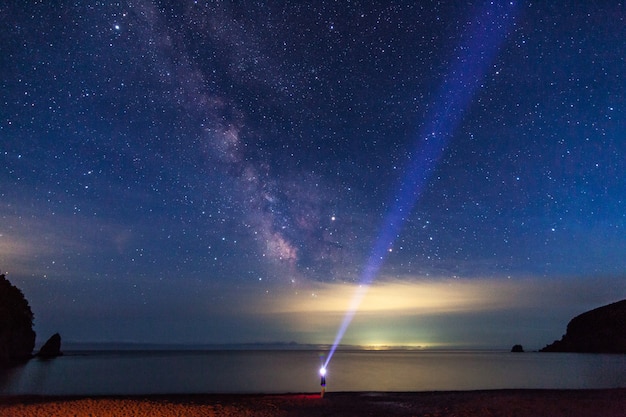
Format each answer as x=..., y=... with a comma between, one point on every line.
x=514, y=402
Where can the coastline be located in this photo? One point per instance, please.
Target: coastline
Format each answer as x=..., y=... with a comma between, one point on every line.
x=508, y=402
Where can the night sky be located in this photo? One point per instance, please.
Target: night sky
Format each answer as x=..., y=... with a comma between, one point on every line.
x=227, y=172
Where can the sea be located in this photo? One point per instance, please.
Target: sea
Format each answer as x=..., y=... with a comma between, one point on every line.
x=136, y=372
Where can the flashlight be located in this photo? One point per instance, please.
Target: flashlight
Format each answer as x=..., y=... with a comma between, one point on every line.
x=323, y=381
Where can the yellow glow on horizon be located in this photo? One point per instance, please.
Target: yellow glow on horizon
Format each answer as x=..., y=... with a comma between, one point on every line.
x=393, y=312
x=404, y=296
x=378, y=346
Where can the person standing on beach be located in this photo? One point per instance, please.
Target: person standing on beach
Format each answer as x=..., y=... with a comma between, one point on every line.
x=323, y=382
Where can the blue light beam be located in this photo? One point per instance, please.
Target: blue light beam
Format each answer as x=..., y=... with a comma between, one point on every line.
x=479, y=45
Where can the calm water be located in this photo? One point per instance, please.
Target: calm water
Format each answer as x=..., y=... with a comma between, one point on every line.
x=296, y=371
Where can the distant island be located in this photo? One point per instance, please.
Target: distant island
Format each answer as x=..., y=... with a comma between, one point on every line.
x=602, y=330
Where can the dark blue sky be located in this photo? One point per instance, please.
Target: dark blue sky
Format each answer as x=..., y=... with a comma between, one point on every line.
x=203, y=171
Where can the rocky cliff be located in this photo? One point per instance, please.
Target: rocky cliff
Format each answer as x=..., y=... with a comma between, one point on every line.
x=602, y=330
x=17, y=337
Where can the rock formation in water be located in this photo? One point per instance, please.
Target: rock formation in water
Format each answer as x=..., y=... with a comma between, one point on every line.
x=517, y=348
x=52, y=348
x=17, y=337
x=602, y=330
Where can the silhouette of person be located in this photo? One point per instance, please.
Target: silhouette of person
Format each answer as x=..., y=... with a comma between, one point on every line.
x=323, y=381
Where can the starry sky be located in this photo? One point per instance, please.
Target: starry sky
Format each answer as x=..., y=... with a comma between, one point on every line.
x=222, y=172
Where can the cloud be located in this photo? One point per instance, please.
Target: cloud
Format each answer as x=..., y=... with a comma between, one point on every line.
x=408, y=296
x=35, y=244
x=445, y=311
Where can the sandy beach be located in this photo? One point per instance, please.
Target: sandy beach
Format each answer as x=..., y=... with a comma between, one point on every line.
x=514, y=403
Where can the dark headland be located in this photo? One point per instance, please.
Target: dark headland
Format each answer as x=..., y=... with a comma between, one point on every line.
x=601, y=330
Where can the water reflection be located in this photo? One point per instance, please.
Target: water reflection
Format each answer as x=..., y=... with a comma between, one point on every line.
x=297, y=371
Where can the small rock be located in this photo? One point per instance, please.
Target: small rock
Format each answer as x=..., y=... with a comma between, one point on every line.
x=52, y=348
